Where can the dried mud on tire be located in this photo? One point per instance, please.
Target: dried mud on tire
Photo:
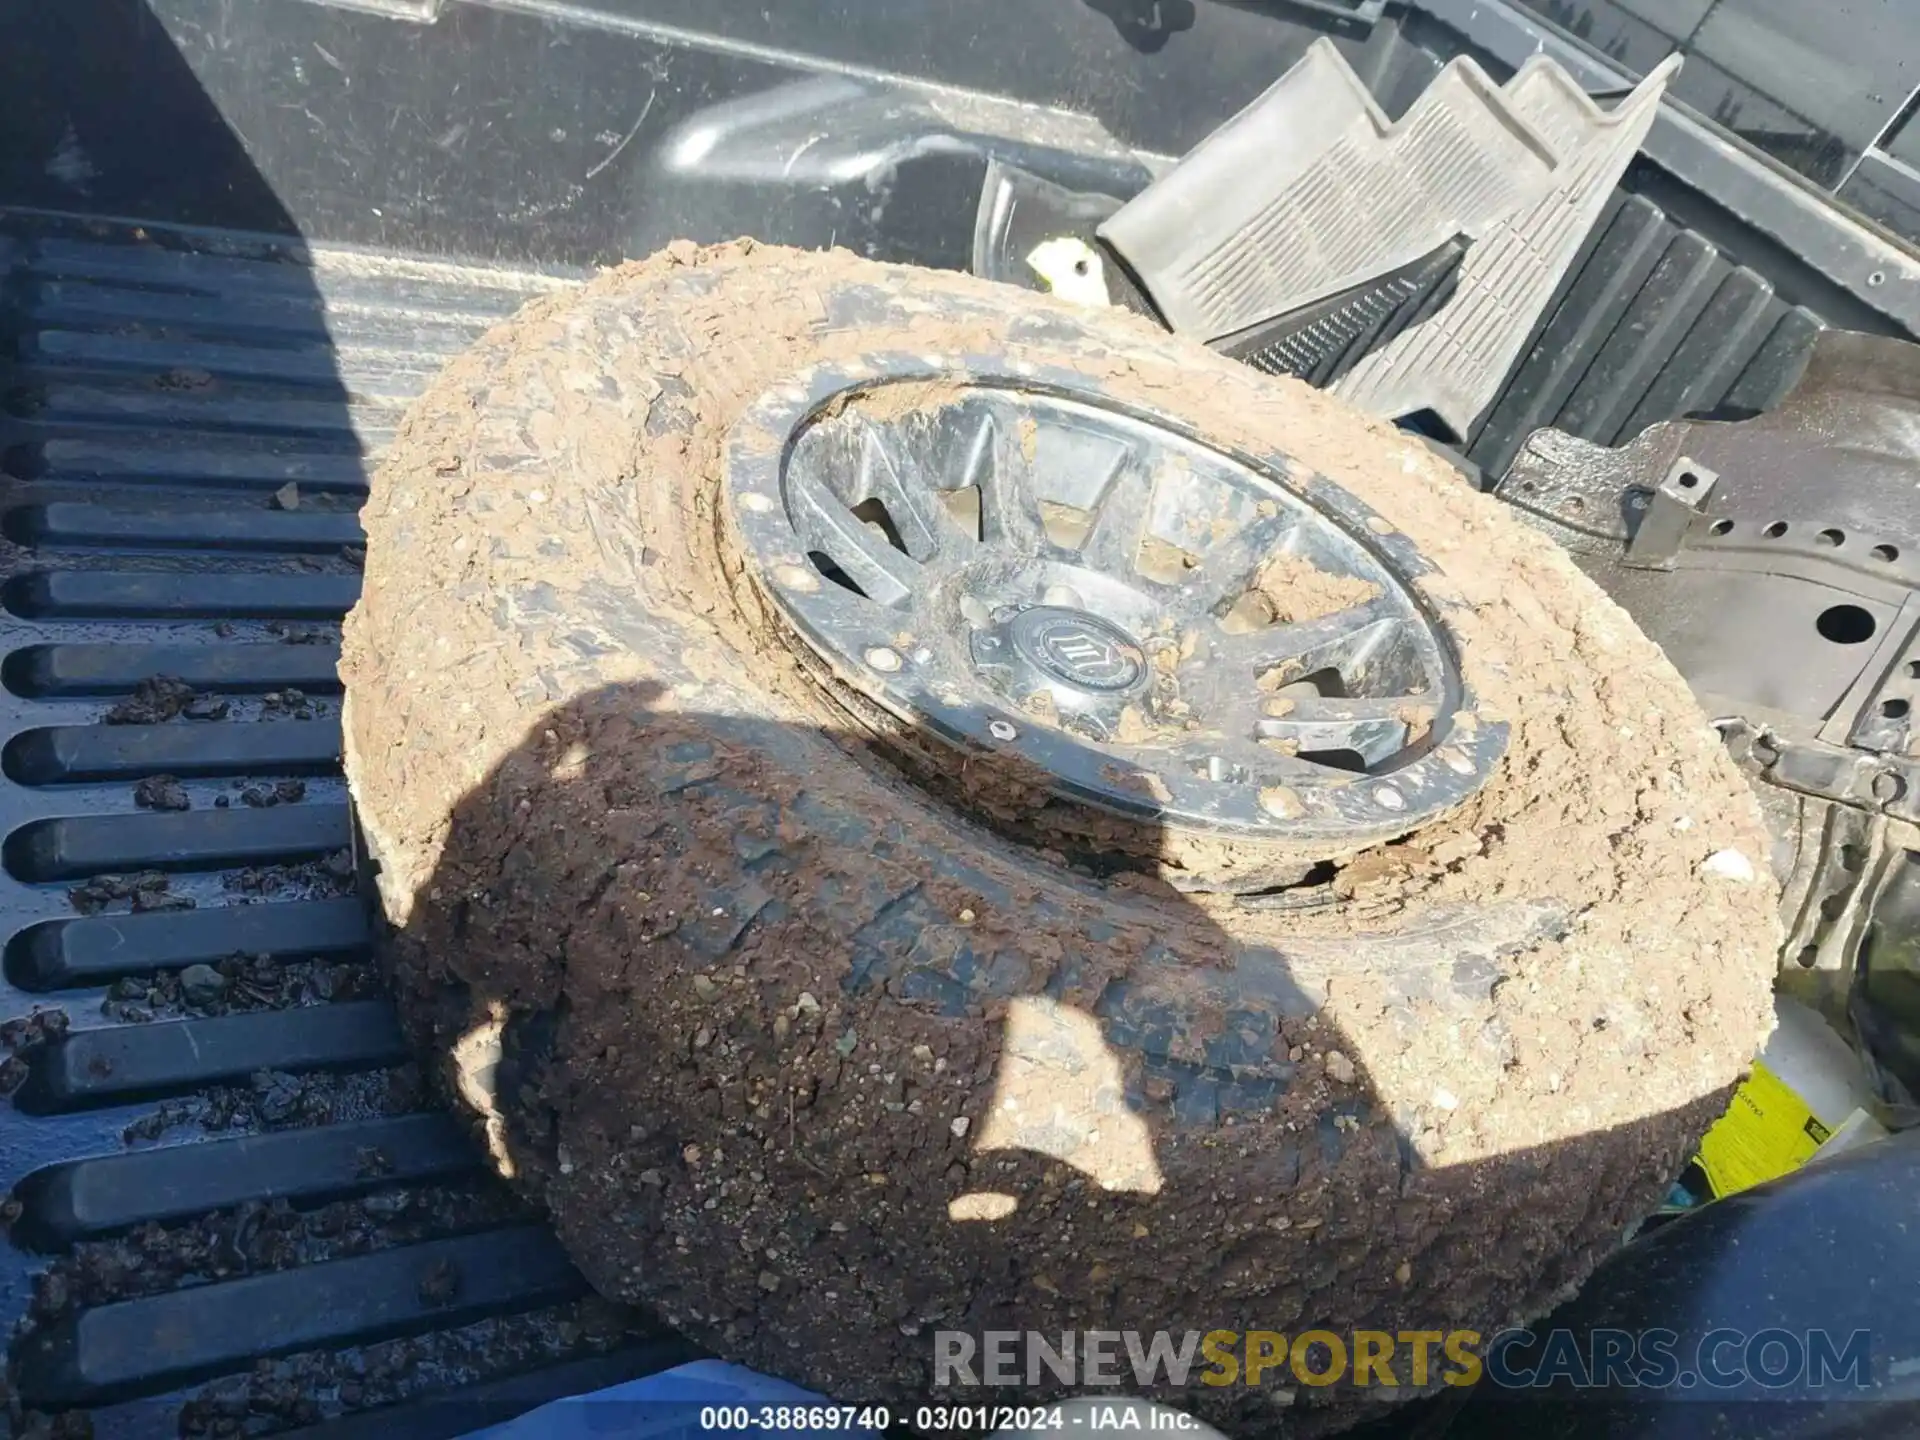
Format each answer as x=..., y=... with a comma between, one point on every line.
x=803, y=1057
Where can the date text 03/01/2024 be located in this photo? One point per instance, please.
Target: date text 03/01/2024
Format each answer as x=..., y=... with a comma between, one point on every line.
x=967, y=1419
x=1083, y=1414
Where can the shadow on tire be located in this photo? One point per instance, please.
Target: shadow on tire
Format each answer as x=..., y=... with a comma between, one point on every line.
x=841, y=1088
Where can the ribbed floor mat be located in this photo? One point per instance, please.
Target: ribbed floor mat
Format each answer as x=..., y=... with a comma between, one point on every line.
x=213, y=1166
x=1652, y=322
x=1453, y=365
x=1310, y=191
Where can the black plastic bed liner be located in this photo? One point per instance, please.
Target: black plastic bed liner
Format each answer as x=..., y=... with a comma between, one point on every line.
x=241, y=1179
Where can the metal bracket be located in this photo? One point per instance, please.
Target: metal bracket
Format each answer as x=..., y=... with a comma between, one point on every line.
x=1672, y=508
x=1878, y=784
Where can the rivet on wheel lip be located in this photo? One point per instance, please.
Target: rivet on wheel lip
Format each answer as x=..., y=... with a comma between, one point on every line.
x=1456, y=762
x=1389, y=798
x=1001, y=730
x=884, y=659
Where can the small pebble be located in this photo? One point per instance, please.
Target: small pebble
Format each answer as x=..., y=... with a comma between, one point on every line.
x=202, y=984
x=1729, y=865
x=1340, y=1067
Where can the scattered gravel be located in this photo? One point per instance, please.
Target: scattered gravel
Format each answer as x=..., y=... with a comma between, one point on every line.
x=90, y=897
x=261, y=1237
x=20, y=1037
x=304, y=1389
x=286, y=705
x=278, y=1101
x=300, y=634
x=238, y=984
x=308, y=880
x=283, y=792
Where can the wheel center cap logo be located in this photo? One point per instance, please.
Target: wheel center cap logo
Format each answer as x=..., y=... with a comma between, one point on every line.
x=1078, y=649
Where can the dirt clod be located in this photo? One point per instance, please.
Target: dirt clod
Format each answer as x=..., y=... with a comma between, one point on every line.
x=161, y=792
x=1295, y=590
x=29, y=1032
x=281, y=792
x=183, y=378
x=154, y=701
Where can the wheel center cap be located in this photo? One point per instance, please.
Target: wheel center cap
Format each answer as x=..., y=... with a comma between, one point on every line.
x=1078, y=649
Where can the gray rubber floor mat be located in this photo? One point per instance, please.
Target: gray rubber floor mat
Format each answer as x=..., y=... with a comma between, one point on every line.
x=1322, y=341
x=1452, y=365
x=1311, y=190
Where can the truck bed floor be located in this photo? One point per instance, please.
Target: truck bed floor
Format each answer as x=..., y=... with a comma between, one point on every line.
x=236, y=1207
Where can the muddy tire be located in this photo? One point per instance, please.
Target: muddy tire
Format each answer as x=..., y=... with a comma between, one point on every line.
x=820, y=1036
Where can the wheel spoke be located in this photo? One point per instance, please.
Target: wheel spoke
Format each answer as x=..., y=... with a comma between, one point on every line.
x=1373, y=729
x=1112, y=542
x=1009, y=505
x=926, y=526
x=1229, y=567
x=1345, y=642
x=825, y=524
